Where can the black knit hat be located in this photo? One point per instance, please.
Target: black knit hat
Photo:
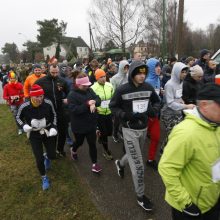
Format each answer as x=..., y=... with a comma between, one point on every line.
x=210, y=91
x=204, y=52
x=137, y=67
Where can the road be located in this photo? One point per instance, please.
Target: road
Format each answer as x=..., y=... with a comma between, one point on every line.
x=115, y=197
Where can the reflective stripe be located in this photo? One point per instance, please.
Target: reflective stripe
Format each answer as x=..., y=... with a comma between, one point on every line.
x=141, y=94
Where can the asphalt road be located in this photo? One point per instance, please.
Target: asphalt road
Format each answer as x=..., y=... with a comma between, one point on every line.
x=115, y=197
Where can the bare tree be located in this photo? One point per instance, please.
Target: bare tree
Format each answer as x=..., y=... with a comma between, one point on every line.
x=121, y=21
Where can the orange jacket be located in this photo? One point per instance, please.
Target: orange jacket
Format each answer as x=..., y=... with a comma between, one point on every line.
x=30, y=80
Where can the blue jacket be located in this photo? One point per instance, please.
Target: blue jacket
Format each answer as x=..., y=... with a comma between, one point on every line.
x=152, y=78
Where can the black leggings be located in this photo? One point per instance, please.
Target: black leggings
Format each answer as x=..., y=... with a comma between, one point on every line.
x=91, y=140
x=212, y=214
x=37, y=143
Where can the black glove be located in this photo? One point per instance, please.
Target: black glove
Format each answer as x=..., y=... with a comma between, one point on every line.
x=128, y=116
x=192, y=210
x=140, y=115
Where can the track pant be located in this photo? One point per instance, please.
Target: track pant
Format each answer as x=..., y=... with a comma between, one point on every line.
x=14, y=110
x=212, y=214
x=91, y=140
x=62, y=128
x=37, y=143
x=134, y=141
x=154, y=131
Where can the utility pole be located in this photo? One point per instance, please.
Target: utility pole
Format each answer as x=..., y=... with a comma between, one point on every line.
x=164, y=31
x=180, y=29
x=92, y=42
x=174, y=29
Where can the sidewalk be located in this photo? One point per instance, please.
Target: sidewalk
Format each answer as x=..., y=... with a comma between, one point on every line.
x=115, y=197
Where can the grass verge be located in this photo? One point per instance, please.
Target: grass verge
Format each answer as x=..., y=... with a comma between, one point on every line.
x=21, y=194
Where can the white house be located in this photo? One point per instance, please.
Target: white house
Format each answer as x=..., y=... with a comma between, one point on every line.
x=66, y=45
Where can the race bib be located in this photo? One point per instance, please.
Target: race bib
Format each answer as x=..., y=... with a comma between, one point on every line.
x=140, y=106
x=179, y=93
x=216, y=171
x=105, y=103
x=14, y=97
x=38, y=123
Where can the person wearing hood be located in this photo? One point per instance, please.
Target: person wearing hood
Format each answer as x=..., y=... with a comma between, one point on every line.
x=117, y=80
x=133, y=103
x=153, y=78
x=192, y=84
x=171, y=113
x=190, y=164
x=56, y=90
x=204, y=57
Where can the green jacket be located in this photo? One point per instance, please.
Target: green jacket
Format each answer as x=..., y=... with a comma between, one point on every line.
x=186, y=164
x=105, y=92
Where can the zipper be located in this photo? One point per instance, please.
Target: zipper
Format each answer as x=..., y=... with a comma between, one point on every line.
x=54, y=94
x=200, y=191
x=105, y=97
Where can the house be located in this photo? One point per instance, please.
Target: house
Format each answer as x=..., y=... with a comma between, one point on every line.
x=146, y=49
x=73, y=45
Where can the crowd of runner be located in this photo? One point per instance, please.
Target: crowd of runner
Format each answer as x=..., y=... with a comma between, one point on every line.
x=57, y=104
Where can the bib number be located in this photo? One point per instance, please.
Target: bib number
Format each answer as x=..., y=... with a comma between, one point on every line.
x=179, y=93
x=140, y=106
x=216, y=171
x=105, y=103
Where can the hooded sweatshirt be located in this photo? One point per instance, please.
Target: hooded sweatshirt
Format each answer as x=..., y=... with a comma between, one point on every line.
x=120, y=78
x=128, y=96
x=152, y=77
x=173, y=89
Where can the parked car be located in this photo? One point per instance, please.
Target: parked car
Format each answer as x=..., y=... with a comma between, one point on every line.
x=216, y=57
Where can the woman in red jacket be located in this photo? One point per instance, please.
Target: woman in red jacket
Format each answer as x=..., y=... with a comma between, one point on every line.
x=13, y=94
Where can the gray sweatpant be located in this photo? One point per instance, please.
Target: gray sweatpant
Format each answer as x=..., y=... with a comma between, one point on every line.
x=134, y=142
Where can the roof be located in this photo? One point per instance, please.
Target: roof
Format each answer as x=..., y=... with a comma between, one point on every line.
x=77, y=41
x=115, y=51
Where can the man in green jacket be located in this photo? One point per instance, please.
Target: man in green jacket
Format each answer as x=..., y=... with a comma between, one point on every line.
x=190, y=165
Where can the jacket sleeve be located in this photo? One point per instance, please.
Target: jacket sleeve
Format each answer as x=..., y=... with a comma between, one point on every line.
x=96, y=98
x=186, y=94
x=26, y=88
x=170, y=99
x=5, y=93
x=177, y=154
x=154, y=105
x=20, y=115
x=74, y=107
x=115, y=104
x=53, y=112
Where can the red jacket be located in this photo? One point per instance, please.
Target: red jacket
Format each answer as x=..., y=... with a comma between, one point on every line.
x=13, y=93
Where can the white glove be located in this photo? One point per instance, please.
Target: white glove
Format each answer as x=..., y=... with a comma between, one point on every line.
x=52, y=132
x=27, y=128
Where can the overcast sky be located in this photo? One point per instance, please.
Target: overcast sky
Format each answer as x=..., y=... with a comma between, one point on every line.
x=20, y=16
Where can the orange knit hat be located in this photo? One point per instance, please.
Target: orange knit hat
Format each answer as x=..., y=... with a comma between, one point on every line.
x=99, y=73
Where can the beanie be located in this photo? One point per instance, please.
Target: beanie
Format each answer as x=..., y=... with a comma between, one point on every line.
x=209, y=91
x=204, y=52
x=36, y=90
x=12, y=75
x=36, y=66
x=196, y=70
x=99, y=73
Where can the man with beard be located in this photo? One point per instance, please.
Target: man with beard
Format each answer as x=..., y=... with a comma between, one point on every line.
x=56, y=90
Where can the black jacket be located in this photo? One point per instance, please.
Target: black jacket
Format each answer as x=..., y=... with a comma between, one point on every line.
x=50, y=87
x=27, y=112
x=122, y=102
x=209, y=75
x=82, y=120
x=191, y=88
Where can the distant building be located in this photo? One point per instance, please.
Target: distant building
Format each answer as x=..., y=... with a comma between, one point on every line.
x=146, y=49
x=66, y=45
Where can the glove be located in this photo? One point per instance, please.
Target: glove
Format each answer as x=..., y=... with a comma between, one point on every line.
x=27, y=128
x=52, y=132
x=192, y=210
x=140, y=115
x=128, y=116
